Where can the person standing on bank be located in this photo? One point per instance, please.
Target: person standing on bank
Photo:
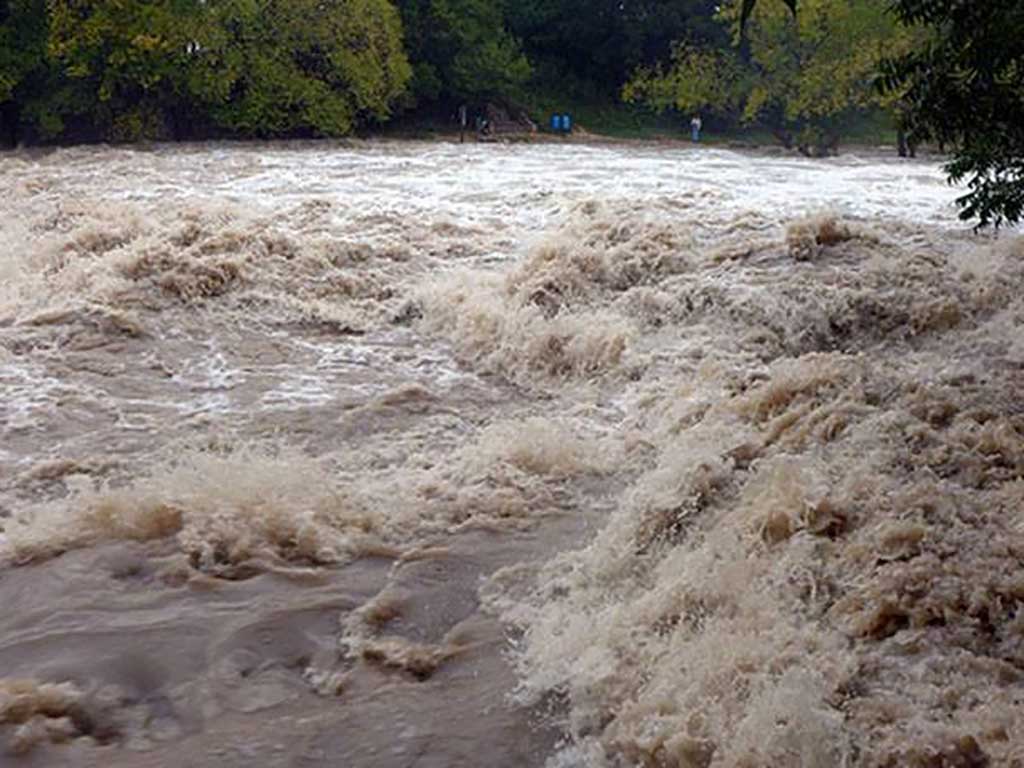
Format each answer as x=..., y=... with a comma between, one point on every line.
x=695, y=125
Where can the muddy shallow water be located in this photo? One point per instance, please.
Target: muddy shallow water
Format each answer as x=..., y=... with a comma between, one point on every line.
x=420, y=454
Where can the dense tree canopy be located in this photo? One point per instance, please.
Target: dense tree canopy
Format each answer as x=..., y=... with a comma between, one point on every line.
x=167, y=68
x=600, y=42
x=285, y=66
x=802, y=75
x=462, y=49
x=22, y=42
x=107, y=69
x=125, y=64
x=23, y=31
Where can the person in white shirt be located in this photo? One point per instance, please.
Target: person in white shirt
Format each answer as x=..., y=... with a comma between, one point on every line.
x=695, y=125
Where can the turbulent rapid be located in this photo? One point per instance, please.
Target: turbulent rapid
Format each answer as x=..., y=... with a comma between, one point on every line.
x=397, y=454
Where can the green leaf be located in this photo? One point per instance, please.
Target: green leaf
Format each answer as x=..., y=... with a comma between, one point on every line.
x=748, y=8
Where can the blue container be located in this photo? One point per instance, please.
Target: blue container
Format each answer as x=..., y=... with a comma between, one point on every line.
x=561, y=123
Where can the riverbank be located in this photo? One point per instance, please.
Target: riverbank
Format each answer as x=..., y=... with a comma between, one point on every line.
x=613, y=122
x=594, y=123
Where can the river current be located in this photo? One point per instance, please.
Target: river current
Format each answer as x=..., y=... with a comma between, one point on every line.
x=419, y=454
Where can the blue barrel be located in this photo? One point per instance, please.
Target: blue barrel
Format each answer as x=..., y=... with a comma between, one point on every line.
x=567, y=123
x=556, y=123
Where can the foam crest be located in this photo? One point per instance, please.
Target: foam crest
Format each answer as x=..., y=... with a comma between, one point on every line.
x=814, y=545
x=127, y=255
x=223, y=510
x=538, y=446
x=502, y=334
x=41, y=713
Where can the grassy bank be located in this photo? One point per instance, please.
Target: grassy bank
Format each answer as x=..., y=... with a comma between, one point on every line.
x=606, y=119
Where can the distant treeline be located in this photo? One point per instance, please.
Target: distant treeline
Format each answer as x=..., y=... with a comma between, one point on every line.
x=123, y=70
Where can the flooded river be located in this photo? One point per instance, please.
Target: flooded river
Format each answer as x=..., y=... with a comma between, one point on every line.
x=398, y=454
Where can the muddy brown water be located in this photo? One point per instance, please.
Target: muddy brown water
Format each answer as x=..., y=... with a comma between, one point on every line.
x=399, y=454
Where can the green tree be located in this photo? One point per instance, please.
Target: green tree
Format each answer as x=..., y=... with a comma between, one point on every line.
x=598, y=43
x=23, y=34
x=804, y=75
x=965, y=89
x=125, y=65
x=278, y=67
x=747, y=8
x=22, y=42
x=462, y=50
x=252, y=67
x=696, y=80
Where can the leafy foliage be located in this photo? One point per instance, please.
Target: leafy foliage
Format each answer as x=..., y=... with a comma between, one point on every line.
x=800, y=74
x=747, y=8
x=124, y=64
x=23, y=33
x=161, y=69
x=600, y=42
x=965, y=88
x=22, y=42
x=698, y=80
x=463, y=50
x=278, y=67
